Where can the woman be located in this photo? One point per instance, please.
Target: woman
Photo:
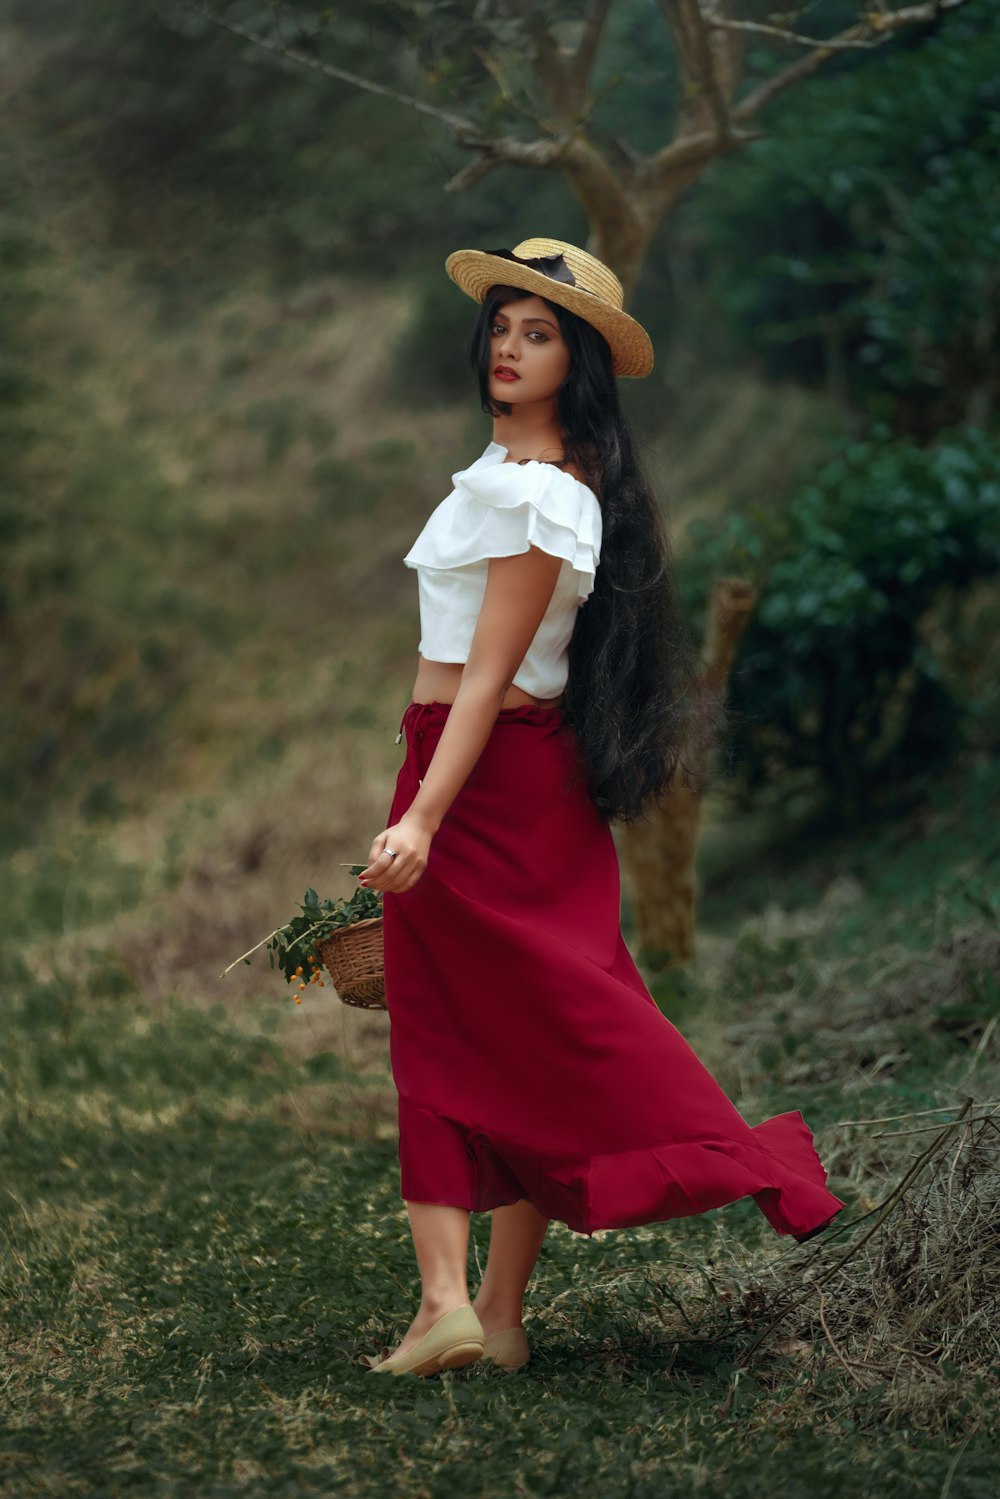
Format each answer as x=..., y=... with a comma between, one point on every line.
x=536, y=1076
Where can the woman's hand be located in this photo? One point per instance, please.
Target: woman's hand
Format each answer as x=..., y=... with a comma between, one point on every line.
x=412, y=841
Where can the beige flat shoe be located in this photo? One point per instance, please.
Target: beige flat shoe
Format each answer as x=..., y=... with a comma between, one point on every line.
x=508, y=1349
x=454, y=1340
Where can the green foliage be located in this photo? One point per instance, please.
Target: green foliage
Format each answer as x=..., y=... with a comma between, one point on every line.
x=22, y=254
x=142, y=591
x=272, y=162
x=292, y=948
x=105, y=624
x=852, y=249
x=201, y=1232
x=279, y=420
x=868, y=226
x=342, y=488
x=838, y=676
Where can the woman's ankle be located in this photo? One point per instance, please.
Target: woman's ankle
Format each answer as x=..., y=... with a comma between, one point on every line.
x=436, y=1303
x=498, y=1311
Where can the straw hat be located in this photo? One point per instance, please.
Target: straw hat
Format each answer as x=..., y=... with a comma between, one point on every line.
x=561, y=273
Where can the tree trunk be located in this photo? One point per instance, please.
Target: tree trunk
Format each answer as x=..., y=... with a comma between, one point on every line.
x=624, y=224
x=658, y=853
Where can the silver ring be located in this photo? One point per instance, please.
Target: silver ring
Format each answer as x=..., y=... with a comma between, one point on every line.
x=392, y=852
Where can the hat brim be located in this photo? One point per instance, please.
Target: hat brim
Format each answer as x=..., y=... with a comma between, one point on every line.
x=475, y=271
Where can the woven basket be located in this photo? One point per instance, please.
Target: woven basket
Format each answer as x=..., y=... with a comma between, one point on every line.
x=354, y=957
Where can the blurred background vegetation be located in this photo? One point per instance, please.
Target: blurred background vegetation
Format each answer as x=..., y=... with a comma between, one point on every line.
x=233, y=382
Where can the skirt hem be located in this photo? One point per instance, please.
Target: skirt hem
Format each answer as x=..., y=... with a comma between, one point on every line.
x=458, y=1163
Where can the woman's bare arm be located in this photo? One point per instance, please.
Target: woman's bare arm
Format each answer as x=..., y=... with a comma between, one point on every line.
x=518, y=592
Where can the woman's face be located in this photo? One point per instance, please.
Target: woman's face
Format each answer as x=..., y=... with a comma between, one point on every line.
x=529, y=358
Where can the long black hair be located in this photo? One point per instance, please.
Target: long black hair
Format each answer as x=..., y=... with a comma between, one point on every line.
x=636, y=697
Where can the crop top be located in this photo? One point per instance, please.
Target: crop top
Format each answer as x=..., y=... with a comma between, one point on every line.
x=499, y=509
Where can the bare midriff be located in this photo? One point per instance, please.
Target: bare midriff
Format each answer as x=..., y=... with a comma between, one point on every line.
x=438, y=682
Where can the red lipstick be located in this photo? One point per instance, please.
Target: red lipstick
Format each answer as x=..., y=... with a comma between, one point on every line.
x=502, y=372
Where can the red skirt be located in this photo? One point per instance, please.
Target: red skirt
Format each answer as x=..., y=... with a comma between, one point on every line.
x=530, y=1060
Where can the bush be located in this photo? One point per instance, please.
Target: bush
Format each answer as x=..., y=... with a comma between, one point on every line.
x=839, y=675
x=867, y=229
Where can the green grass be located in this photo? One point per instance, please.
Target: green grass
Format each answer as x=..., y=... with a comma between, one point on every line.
x=201, y=1233
x=188, y=1283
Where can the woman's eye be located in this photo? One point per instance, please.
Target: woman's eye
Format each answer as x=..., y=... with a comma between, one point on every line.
x=498, y=330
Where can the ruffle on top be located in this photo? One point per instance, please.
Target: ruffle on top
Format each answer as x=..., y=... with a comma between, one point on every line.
x=499, y=509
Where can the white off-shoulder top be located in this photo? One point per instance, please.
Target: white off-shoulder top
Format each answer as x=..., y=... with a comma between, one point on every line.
x=500, y=509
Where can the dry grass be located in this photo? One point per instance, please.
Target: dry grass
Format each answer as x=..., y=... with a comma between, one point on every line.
x=891, y=1318
x=909, y=1310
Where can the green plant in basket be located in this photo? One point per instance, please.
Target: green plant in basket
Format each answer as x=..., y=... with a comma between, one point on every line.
x=293, y=947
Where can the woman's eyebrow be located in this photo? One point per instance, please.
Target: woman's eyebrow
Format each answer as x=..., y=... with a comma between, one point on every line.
x=544, y=320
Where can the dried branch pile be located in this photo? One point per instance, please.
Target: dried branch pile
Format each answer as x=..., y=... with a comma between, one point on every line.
x=892, y=1319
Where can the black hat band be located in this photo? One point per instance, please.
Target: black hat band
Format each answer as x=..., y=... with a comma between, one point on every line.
x=553, y=266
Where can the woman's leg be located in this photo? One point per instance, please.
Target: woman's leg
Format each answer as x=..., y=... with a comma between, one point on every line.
x=516, y=1234
x=441, y=1243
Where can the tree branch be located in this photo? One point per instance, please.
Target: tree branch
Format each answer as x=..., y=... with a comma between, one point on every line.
x=565, y=79
x=728, y=49
x=549, y=67
x=693, y=150
x=878, y=23
x=505, y=150
x=701, y=87
x=882, y=24
x=473, y=172
x=761, y=29
x=625, y=200
x=456, y=122
x=582, y=64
